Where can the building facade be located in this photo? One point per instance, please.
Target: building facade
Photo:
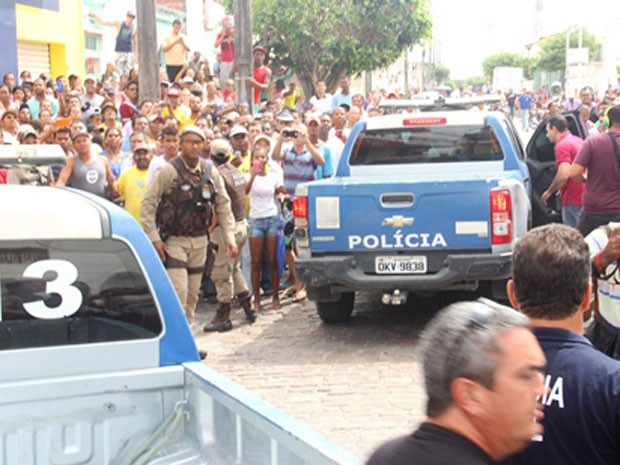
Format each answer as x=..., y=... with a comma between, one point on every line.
x=41, y=36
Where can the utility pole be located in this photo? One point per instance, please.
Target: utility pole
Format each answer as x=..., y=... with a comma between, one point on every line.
x=243, y=50
x=148, y=64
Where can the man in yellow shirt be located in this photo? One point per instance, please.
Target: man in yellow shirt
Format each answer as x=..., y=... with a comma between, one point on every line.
x=132, y=182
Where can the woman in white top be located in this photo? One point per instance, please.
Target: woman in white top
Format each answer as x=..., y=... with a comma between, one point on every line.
x=263, y=187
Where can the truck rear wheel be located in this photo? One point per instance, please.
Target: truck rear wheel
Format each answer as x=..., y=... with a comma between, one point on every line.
x=336, y=311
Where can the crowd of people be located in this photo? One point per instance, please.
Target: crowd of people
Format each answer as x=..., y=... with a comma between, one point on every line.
x=212, y=179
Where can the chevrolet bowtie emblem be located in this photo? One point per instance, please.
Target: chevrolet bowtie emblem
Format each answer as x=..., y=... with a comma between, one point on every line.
x=397, y=221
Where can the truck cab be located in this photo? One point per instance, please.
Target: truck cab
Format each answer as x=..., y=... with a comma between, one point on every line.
x=422, y=201
x=97, y=361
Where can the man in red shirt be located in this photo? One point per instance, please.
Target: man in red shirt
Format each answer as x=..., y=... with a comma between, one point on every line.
x=261, y=75
x=566, y=148
x=225, y=40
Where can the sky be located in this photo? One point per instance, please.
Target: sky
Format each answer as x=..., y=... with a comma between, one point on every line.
x=467, y=31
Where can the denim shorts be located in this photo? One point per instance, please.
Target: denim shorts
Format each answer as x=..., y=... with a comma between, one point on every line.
x=261, y=227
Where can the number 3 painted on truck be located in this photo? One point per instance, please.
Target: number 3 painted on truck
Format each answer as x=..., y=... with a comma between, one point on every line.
x=70, y=296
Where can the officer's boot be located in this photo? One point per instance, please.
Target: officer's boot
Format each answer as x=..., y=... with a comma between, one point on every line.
x=221, y=321
x=245, y=300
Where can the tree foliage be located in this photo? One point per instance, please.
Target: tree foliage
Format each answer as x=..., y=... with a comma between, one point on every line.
x=327, y=39
x=552, y=53
x=442, y=74
x=502, y=59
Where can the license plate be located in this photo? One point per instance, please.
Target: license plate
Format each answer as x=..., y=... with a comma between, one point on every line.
x=400, y=265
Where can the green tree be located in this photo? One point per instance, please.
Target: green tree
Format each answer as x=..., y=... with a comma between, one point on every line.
x=327, y=39
x=442, y=74
x=552, y=53
x=502, y=59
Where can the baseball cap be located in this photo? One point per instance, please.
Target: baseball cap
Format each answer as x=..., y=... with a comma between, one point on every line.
x=264, y=137
x=313, y=117
x=187, y=80
x=141, y=146
x=238, y=129
x=108, y=105
x=260, y=48
x=24, y=131
x=131, y=13
x=286, y=116
x=90, y=77
x=228, y=21
x=220, y=149
x=91, y=127
x=191, y=129
x=165, y=84
x=232, y=116
x=79, y=133
x=155, y=118
x=173, y=92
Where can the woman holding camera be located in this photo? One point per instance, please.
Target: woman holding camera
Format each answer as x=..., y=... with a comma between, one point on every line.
x=263, y=187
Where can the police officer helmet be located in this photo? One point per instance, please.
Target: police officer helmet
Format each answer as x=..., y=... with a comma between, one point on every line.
x=220, y=150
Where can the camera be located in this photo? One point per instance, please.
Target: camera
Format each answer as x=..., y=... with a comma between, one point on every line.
x=292, y=134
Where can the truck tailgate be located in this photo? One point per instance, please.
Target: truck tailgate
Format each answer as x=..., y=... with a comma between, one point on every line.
x=399, y=216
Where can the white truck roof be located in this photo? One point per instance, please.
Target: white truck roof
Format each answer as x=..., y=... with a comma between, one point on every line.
x=49, y=213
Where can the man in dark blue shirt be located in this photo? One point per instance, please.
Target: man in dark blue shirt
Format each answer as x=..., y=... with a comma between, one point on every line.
x=551, y=271
x=482, y=371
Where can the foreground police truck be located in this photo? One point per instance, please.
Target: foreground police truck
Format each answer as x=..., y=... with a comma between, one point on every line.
x=424, y=201
x=97, y=362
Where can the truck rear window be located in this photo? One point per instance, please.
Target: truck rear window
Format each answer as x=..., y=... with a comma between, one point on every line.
x=427, y=144
x=62, y=292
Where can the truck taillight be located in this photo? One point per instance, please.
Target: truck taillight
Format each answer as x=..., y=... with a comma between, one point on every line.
x=300, y=207
x=501, y=217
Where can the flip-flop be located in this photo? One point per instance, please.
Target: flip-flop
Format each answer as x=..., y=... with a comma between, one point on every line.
x=300, y=296
x=289, y=292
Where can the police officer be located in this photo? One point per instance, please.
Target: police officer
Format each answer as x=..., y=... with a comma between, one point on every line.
x=176, y=211
x=226, y=273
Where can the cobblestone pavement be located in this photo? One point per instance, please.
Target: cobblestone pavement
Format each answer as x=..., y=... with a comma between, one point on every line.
x=356, y=383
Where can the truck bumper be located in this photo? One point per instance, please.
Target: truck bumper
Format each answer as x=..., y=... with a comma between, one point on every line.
x=344, y=271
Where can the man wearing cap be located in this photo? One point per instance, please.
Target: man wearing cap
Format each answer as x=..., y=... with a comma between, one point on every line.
x=126, y=40
x=261, y=75
x=174, y=48
x=322, y=171
x=86, y=170
x=226, y=273
x=10, y=122
x=132, y=182
x=34, y=103
x=173, y=107
x=225, y=40
x=109, y=115
x=90, y=99
x=176, y=213
x=129, y=107
x=240, y=143
x=26, y=135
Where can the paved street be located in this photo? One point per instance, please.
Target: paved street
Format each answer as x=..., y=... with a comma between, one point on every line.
x=355, y=383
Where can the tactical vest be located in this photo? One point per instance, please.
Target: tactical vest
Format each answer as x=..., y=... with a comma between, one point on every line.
x=235, y=186
x=181, y=197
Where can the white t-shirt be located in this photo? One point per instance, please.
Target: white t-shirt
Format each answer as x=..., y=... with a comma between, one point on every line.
x=154, y=165
x=321, y=104
x=263, y=195
x=608, y=291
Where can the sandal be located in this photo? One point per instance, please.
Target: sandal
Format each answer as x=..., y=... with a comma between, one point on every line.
x=300, y=296
x=289, y=292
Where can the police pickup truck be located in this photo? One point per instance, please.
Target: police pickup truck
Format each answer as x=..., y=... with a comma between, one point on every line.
x=97, y=362
x=421, y=201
